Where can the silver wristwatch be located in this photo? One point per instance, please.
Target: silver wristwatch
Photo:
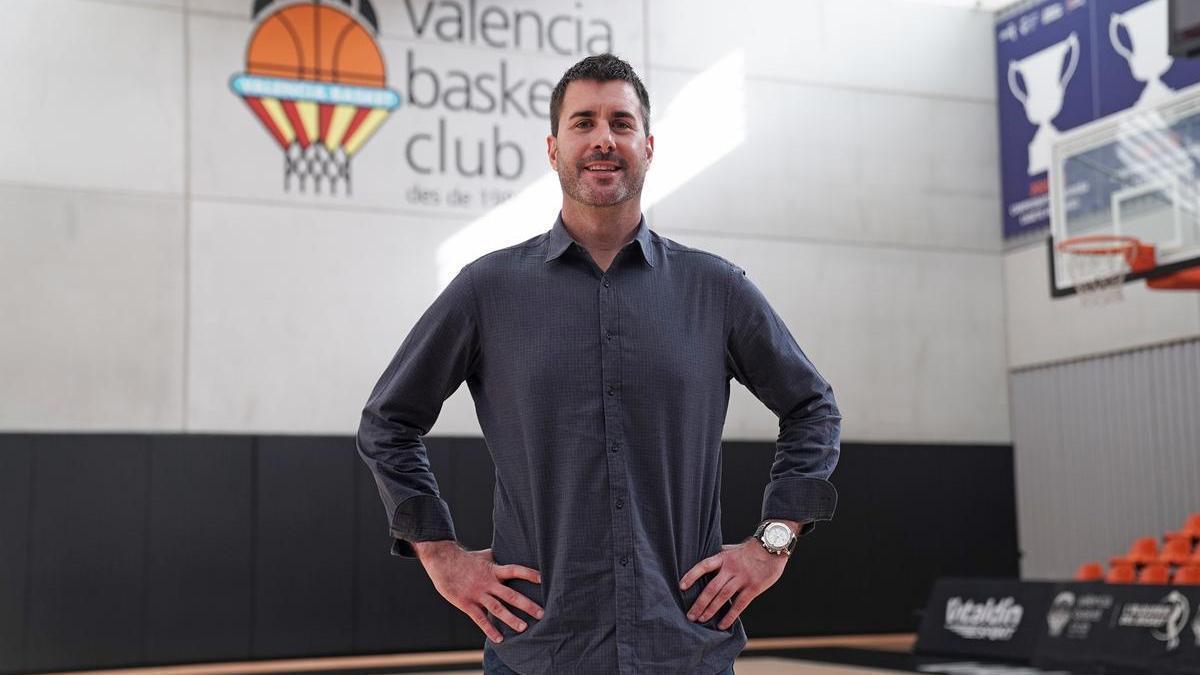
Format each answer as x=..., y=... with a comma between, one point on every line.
x=776, y=537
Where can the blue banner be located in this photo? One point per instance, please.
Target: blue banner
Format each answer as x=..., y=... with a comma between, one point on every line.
x=1044, y=66
x=1062, y=64
x=1134, y=66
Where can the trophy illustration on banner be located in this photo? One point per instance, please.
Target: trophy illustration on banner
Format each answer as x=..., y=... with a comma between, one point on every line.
x=1045, y=88
x=1147, y=54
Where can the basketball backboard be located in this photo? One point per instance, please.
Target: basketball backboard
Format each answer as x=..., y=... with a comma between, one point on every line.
x=1135, y=174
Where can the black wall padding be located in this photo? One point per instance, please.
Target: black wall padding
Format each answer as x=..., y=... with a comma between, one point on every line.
x=86, y=580
x=304, y=547
x=134, y=550
x=16, y=482
x=200, y=555
x=397, y=607
x=906, y=515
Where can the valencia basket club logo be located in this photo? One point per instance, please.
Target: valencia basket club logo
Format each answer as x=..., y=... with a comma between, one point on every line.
x=316, y=79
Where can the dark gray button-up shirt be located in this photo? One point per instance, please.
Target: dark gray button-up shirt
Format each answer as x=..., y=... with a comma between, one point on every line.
x=602, y=396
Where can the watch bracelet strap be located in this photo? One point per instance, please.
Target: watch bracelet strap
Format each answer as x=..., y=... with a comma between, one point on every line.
x=762, y=527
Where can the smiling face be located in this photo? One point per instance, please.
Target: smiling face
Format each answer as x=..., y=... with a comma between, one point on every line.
x=602, y=151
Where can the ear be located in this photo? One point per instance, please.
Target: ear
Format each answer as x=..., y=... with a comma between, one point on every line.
x=649, y=148
x=552, y=151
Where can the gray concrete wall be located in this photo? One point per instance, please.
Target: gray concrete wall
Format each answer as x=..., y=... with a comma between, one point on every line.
x=1106, y=451
x=1044, y=330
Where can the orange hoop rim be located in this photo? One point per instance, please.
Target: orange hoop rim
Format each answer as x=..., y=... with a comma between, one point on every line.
x=1098, y=244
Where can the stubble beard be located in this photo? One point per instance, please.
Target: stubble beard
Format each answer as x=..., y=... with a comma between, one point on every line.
x=629, y=185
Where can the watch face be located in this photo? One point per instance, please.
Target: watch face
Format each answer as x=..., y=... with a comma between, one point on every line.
x=777, y=535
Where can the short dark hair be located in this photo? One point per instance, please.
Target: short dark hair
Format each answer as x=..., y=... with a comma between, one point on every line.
x=598, y=68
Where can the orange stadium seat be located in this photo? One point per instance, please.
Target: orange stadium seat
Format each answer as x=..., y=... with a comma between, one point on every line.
x=1143, y=551
x=1181, y=534
x=1188, y=575
x=1154, y=573
x=1191, y=527
x=1177, y=550
x=1091, y=571
x=1120, y=572
x=1189, y=531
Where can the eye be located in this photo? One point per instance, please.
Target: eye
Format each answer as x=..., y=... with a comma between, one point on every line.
x=584, y=123
x=622, y=124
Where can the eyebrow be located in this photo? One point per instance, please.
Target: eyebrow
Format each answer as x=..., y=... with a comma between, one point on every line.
x=590, y=113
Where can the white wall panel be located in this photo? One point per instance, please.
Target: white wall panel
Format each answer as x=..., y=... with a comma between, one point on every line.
x=153, y=4
x=1042, y=329
x=838, y=165
x=233, y=156
x=895, y=46
x=964, y=148
x=573, y=23
x=913, y=46
x=92, y=305
x=296, y=312
x=912, y=342
x=904, y=369
x=95, y=95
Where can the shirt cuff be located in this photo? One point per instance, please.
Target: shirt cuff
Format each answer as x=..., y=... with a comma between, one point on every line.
x=800, y=498
x=420, y=518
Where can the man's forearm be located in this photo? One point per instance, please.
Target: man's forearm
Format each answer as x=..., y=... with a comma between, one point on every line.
x=429, y=549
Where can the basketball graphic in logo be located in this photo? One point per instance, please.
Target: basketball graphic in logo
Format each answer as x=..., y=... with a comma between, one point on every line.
x=316, y=79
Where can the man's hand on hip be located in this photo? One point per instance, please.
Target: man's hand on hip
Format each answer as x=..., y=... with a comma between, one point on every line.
x=473, y=582
x=743, y=570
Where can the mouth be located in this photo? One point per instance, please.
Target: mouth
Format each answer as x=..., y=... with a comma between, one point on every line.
x=602, y=167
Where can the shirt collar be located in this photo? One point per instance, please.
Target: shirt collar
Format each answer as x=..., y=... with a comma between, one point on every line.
x=558, y=240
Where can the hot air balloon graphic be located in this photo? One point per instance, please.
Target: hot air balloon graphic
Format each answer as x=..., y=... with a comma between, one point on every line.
x=316, y=79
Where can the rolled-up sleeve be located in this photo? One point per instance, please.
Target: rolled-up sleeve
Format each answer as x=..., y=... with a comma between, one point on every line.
x=441, y=351
x=762, y=355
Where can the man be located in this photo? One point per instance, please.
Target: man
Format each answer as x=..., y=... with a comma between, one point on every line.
x=599, y=356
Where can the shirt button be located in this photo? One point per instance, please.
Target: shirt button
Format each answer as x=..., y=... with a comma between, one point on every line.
x=616, y=446
x=606, y=282
x=620, y=503
x=611, y=390
x=608, y=336
x=624, y=561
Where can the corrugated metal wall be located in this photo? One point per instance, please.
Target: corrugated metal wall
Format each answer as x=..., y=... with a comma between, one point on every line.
x=1107, y=449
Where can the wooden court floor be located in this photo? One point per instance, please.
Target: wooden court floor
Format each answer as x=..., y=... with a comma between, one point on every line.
x=746, y=664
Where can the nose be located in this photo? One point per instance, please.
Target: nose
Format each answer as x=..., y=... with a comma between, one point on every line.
x=604, y=138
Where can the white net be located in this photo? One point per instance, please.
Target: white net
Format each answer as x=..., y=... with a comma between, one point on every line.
x=1098, y=266
x=316, y=164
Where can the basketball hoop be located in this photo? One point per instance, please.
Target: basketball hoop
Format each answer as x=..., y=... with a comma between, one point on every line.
x=1097, y=264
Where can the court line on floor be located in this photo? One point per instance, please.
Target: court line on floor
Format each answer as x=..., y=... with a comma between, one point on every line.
x=887, y=642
